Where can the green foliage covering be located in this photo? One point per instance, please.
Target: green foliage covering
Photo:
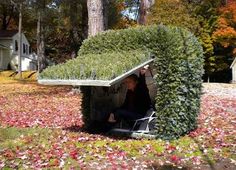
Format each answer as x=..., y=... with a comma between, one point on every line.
x=105, y=66
x=178, y=63
x=119, y=41
x=179, y=83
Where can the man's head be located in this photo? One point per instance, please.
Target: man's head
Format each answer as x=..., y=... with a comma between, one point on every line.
x=131, y=81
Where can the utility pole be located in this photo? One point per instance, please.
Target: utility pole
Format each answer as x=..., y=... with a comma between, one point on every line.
x=20, y=38
x=20, y=42
x=39, y=41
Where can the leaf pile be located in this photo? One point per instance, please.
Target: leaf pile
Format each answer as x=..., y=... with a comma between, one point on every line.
x=28, y=105
x=44, y=147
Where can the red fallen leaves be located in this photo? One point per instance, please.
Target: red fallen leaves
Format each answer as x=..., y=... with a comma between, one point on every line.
x=216, y=127
x=174, y=158
x=55, y=162
x=197, y=132
x=32, y=105
x=171, y=148
x=27, y=140
x=116, y=155
x=9, y=154
x=118, y=160
x=196, y=160
x=73, y=154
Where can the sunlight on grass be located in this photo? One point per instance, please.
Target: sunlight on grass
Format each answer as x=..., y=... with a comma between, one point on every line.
x=10, y=137
x=11, y=76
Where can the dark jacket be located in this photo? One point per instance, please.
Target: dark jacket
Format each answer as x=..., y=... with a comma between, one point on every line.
x=138, y=101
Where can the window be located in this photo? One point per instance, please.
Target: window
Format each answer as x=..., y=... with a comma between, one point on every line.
x=30, y=50
x=24, y=48
x=27, y=49
x=16, y=45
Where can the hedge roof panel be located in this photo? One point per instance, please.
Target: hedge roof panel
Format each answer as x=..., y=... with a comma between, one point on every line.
x=105, y=66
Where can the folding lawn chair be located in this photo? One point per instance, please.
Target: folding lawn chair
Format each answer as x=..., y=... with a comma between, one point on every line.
x=141, y=126
x=145, y=124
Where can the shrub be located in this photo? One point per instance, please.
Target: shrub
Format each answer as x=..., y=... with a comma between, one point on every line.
x=178, y=64
x=178, y=81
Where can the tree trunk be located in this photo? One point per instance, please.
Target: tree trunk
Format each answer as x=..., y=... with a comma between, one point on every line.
x=20, y=42
x=143, y=9
x=95, y=17
x=42, y=50
x=40, y=45
x=7, y=14
x=84, y=20
x=4, y=22
x=105, y=13
x=38, y=40
x=74, y=32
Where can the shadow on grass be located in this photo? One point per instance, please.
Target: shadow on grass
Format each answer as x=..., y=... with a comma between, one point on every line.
x=39, y=89
x=74, y=129
x=23, y=81
x=168, y=167
x=96, y=130
x=39, y=93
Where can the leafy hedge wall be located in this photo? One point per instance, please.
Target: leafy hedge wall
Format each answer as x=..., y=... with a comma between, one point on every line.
x=178, y=78
x=179, y=66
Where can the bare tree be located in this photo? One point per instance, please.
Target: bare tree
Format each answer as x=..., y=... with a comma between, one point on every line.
x=40, y=44
x=15, y=4
x=105, y=13
x=95, y=17
x=40, y=8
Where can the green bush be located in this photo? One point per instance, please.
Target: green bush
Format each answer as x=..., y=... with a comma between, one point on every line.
x=178, y=64
x=178, y=81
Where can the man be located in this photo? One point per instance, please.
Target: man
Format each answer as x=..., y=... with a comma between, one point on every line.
x=137, y=101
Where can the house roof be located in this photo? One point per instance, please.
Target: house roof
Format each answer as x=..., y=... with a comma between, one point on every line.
x=7, y=33
x=234, y=62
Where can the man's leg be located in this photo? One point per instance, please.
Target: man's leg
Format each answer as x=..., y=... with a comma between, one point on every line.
x=126, y=115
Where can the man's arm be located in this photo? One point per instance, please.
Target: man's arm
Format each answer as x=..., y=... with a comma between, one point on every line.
x=142, y=79
x=144, y=91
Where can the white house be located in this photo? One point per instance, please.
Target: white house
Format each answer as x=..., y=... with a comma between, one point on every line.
x=9, y=46
x=233, y=67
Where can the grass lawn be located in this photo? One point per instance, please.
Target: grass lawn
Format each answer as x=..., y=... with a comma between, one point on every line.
x=40, y=128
